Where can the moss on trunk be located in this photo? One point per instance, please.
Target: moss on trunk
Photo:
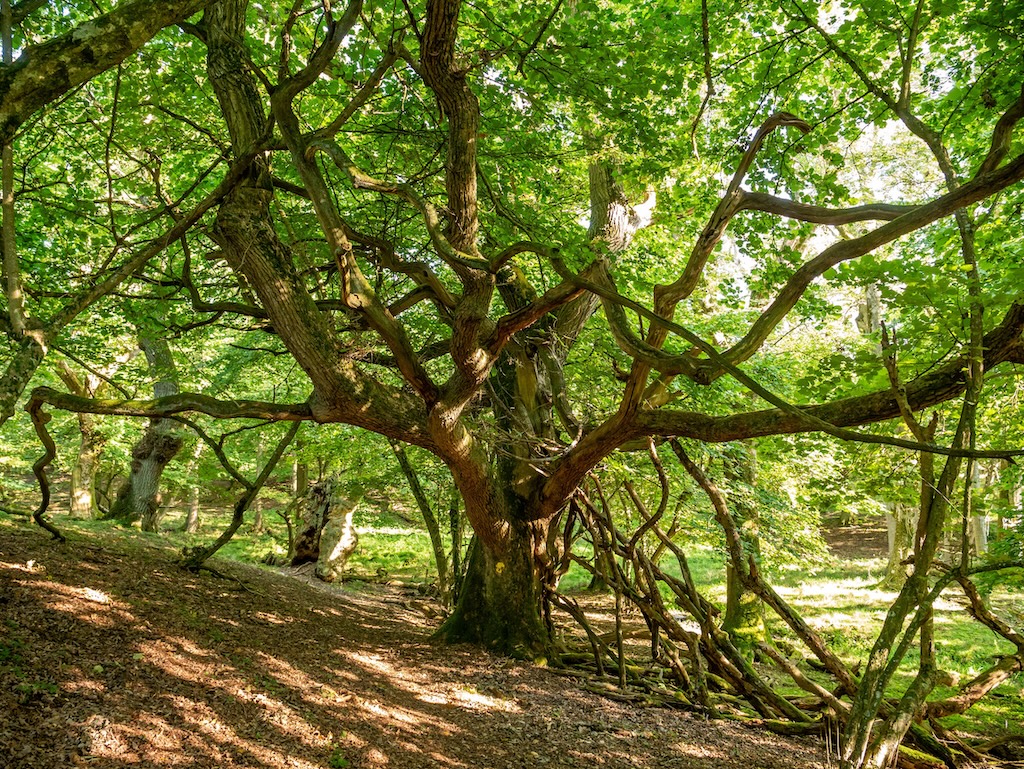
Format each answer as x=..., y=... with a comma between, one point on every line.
x=499, y=604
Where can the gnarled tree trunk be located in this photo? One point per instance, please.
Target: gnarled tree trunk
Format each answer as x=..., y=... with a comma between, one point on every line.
x=139, y=499
x=326, y=534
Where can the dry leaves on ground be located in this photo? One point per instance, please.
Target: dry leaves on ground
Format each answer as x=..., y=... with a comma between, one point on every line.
x=111, y=656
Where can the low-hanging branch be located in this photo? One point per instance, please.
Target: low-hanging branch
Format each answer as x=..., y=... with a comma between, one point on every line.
x=169, y=406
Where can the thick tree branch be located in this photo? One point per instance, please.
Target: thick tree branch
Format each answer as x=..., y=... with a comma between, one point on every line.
x=1002, y=344
x=759, y=201
x=45, y=72
x=170, y=405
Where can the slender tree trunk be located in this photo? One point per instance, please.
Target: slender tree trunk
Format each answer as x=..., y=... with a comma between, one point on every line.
x=433, y=528
x=257, y=515
x=744, y=613
x=456, y=529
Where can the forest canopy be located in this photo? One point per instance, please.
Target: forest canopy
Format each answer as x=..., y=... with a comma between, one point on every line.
x=533, y=240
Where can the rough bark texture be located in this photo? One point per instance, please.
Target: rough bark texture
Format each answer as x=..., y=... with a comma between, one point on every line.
x=139, y=499
x=28, y=354
x=44, y=73
x=325, y=534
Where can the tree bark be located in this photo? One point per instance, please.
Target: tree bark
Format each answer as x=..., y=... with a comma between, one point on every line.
x=83, y=474
x=744, y=613
x=45, y=72
x=139, y=499
x=192, y=518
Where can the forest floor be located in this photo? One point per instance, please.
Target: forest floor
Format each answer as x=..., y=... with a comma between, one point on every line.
x=113, y=656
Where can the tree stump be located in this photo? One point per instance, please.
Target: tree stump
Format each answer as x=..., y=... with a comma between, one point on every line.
x=326, y=535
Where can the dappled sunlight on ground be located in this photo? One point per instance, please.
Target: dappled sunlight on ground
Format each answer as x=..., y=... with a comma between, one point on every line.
x=115, y=658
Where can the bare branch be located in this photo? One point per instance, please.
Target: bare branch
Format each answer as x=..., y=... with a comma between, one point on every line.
x=759, y=201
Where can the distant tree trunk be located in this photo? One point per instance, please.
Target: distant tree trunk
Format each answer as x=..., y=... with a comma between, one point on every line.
x=83, y=474
x=300, y=476
x=901, y=521
x=90, y=447
x=139, y=498
x=1009, y=498
x=325, y=534
x=744, y=612
x=192, y=520
x=257, y=517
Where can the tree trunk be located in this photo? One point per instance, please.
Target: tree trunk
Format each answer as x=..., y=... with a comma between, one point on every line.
x=338, y=540
x=326, y=534
x=83, y=474
x=139, y=499
x=257, y=515
x=192, y=521
x=456, y=523
x=500, y=604
x=744, y=612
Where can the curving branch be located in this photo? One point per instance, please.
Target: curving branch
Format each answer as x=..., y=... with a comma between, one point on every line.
x=1002, y=134
x=363, y=95
x=628, y=341
x=320, y=59
x=790, y=209
x=455, y=258
x=526, y=316
x=668, y=295
x=973, y=191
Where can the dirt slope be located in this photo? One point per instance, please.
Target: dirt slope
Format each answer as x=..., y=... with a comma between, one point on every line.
x=112, y=656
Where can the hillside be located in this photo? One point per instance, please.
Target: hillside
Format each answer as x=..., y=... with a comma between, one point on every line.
x=111, y=656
